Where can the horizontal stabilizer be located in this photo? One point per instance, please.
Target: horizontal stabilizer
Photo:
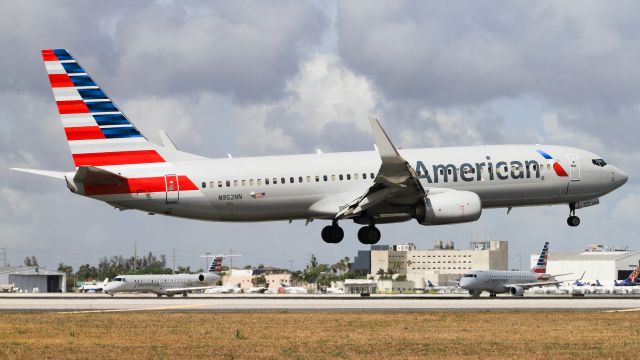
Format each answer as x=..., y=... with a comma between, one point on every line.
x=96, y=176
x=49, y=173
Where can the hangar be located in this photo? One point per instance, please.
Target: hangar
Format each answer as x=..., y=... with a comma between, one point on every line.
x=33, y=279
x=604, y=266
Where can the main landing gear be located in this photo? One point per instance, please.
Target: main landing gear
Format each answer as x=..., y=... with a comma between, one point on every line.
x=369, y=235
x=334, y=234
x=573, y=220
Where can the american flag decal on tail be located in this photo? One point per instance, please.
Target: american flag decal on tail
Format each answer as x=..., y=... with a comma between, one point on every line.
x=216, y=265
x=98, y=133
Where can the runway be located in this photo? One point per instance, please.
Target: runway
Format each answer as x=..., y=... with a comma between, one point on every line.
x=103, y=303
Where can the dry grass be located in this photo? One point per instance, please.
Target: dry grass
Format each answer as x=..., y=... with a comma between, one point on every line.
x=321, y=335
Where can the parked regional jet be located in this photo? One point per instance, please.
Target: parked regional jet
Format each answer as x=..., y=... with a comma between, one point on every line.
x=168, y=285
x=514, y=282
x=116, y=164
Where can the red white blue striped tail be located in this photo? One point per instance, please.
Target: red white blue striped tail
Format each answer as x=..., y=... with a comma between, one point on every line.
x=541, y=265
x=99, y=134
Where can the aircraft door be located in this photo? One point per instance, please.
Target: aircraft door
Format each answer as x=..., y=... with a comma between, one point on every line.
x=172, y=188
x=574, y=167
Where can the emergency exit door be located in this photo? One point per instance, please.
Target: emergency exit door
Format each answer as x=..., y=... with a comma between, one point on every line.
x=172, y=188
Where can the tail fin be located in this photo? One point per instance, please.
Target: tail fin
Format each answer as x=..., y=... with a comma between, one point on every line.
x=99, y=134
x=216, y=265
x=633, y=278
x=541, y=265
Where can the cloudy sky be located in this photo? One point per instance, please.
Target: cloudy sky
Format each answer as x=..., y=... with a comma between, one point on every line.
x=258, y=78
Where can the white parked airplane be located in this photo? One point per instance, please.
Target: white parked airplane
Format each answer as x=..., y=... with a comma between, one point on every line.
x=116, y=164
x=514, y=282
x=93, y=287
x=168, y=285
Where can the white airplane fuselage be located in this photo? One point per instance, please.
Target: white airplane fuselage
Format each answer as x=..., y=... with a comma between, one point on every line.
x=497, y=282
x=160, y=284
x=313, y=185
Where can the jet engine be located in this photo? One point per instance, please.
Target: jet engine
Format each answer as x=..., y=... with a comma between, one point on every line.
x=516, y=291
x=449, y=207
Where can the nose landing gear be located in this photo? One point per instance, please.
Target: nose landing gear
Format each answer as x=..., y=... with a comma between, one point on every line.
x=573, y=220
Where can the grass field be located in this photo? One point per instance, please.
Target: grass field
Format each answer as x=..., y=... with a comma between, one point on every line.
x=321, y=335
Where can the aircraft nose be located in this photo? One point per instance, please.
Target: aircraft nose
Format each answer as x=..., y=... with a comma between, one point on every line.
x=464, y=282
x=619, y=177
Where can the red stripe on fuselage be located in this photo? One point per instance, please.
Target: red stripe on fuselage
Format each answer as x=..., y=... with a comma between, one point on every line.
x=72, y=107
x=118, y=158
x=84, y=133
x=138, y=185
x=60, y=80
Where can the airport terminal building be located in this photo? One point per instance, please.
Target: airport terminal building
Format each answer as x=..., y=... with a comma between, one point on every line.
x=597, y=263
x=33, y=279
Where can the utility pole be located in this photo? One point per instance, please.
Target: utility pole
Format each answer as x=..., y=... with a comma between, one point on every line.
x=230, y=259
x=4, y=255
x=291, y=266
x=174, y=260
x=135, y=255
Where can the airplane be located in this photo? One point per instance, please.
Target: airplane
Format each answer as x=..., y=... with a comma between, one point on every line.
x=285, y=289
x=224, y=289
x=115, y=163
x=93, y=287
x=514, y=282
x=168, y=285
x=631, y=280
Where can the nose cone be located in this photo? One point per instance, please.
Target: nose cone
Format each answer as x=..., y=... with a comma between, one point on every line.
x=619, y=177
x=464, y=283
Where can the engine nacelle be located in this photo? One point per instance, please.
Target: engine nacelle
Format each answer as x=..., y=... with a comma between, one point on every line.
x=449, y=207
x=516, y=291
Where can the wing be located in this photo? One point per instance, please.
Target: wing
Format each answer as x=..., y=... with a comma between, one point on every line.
x=531, y=285
x=396, y=186
x=194, y=288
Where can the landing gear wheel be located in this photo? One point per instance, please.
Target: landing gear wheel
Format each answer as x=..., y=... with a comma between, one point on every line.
x=184, y=294
x=332, y=234
x=573, y=221
x=369, y=235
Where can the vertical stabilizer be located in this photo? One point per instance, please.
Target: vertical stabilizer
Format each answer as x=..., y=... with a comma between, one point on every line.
x=541, y=265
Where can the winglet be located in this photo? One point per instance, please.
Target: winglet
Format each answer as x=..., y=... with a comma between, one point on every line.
x=385, y=147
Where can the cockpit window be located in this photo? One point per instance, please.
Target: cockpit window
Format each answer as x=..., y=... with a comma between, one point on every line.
x=470, y=275
x=599, y=162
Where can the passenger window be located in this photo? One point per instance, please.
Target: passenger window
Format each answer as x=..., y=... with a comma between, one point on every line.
x=355, y=176
x=244, y=182
x=275, y=181
x=364, y=175
x=340, y=177
x=219, y=183
x=291, y=180
x=282, y=181
x=348, y=176
x=449, y=171
x=372, y=176
x=259, y=181
x=235, y=182
x=204, y=184
x=333, y=178
x=441, y=172
x=324, y=177
x=228, y=183
x=251, y=182
x=266, y=181
x=300, y=179
x=317, y=178
x=308, y=178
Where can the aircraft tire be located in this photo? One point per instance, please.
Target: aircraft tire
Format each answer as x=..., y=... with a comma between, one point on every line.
x=369, y=235
x=573, y=221
x=332, y=234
